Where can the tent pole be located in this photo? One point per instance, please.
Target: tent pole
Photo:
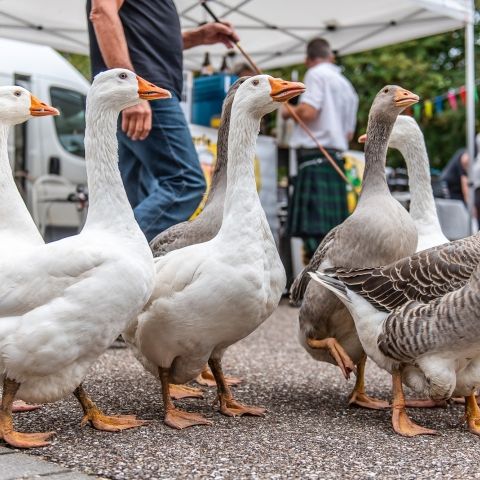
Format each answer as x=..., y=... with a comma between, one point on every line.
x=470, y=87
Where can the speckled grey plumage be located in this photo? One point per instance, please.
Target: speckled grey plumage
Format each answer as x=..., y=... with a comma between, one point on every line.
x=446, y=323
x=379, y=231
x=423, y=276
x=208, y=223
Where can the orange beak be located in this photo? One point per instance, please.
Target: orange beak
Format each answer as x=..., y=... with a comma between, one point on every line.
x=404, y=98
x=283, y=90
x=362, y=138
x=40, y=109
x=149, y=91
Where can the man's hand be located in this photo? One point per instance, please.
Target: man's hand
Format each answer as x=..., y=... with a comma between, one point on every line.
x=285, y=112
x=209, y=34
x=137, y=121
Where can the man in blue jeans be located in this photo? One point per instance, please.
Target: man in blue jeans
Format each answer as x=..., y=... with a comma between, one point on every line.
x=159, y=165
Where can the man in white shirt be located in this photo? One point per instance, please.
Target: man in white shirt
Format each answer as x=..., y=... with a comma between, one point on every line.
x=329, y=108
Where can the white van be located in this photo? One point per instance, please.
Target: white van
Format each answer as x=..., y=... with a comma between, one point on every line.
x=47, y=154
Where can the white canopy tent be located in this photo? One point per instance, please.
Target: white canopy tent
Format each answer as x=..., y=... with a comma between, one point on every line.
x=274, y=33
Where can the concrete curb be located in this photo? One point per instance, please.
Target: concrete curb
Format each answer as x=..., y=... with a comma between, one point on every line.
x=15, y=466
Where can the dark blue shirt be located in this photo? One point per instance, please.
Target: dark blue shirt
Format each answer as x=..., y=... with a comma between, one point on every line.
x=154, y=38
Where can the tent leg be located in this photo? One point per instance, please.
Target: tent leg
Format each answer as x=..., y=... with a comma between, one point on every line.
x=470, y=87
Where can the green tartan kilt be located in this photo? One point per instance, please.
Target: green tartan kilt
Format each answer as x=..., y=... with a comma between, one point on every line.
x=319, y=200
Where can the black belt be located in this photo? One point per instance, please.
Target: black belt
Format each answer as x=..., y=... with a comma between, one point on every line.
x=304, y=154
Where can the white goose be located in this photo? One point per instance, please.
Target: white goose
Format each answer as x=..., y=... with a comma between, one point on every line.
x=17, y=105
x=210, y=295
x=63, y=304
x=417, y=319
x=408, y=139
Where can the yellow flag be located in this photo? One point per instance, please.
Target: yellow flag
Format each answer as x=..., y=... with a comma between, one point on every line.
x=428, y=106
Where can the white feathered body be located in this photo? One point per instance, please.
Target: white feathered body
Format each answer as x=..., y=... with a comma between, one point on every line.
x=218, y=293
x=54, y=322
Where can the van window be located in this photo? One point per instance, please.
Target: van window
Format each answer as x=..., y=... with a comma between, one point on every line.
x=70, y=124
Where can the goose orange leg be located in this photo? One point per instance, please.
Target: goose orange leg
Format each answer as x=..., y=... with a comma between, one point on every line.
x=472, y=414
x=358, y=396
x=174, y=417
x=228, y=405
x=207, y=379
x=7, y=432
x=401, y=422
x=337, y=352
x=98, y=420
x=177, y=392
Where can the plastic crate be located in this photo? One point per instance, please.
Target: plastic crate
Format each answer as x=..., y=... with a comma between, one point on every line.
x=208, y=95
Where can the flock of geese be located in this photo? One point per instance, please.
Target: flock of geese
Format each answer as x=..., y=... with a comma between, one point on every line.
x=203, y=285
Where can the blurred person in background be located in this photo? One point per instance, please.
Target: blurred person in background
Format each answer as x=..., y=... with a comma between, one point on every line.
x=455, y=175
x=476, y=179
x=159, y=165
x=329, y=108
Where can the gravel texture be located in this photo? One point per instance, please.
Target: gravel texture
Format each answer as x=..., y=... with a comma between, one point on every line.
x=309, y=431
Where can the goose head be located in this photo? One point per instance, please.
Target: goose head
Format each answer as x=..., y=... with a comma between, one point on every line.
x=262, y=94
x=405, y=130
x=390, y=101
x=17, y=105
x=120, y=88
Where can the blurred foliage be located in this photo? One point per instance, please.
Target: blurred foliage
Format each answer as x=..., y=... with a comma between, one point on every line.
x=80, y=62
x=428, y=67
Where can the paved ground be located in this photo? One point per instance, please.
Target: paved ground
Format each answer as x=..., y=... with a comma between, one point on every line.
x=309, y=431
x=15, y=465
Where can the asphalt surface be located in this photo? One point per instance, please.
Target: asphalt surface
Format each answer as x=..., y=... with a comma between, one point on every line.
x=309, y=431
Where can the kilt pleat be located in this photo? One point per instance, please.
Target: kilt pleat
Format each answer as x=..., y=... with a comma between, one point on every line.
x=319, y=200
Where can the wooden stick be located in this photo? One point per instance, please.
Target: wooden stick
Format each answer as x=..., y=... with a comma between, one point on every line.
x=290, y=109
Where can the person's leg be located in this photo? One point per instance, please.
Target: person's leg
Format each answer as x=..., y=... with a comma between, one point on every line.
x=170, y=171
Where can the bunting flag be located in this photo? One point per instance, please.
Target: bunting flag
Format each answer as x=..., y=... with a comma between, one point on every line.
x=436, y=105
x=417, y=108
x=439, y=104
x=428, y=106
x=452, y=99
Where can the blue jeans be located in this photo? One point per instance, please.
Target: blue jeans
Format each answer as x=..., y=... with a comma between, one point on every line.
x=162, y=175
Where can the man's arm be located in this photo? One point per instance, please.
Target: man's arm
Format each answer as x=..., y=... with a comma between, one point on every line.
x=464, y=163
x=209, y=34
x=305, y=111
x=137, y=120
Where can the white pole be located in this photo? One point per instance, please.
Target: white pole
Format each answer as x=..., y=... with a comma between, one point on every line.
x=470, y=87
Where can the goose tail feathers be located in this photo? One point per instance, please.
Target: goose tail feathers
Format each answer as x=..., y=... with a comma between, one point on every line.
x=333, y=284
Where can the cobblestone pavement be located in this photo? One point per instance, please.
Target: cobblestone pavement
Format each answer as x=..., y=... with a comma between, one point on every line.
x=309, y=431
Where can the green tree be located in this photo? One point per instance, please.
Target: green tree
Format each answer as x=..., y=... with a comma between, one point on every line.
x=428, y=67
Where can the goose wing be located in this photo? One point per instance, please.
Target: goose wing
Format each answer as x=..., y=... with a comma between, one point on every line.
x=422, y=277
x=297, y=290
x=45, y=273
x=445, y=323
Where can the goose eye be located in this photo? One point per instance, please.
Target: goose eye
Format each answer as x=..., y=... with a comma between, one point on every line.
x=385, y=90
x=17, y=93
x=123, y=75
x=255, y=82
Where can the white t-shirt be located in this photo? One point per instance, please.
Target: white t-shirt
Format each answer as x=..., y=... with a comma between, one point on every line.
x=329, y=92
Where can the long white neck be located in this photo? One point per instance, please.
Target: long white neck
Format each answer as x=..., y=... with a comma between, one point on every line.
x=108, y=203
x=14, y=216
x=422, y=204
x=241, y=197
